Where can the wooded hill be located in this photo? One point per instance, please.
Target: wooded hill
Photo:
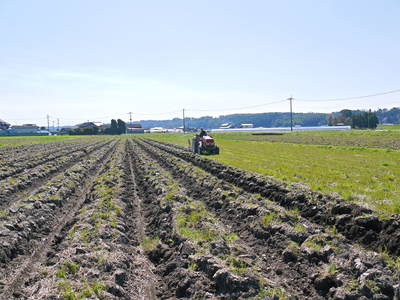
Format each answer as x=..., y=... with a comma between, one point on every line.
x=272, y=119
x=259, y=120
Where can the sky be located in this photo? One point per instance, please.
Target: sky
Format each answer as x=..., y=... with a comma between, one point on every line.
x=98, y=59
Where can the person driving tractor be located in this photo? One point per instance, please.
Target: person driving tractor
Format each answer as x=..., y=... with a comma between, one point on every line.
x=203, y=143
x=203, y=133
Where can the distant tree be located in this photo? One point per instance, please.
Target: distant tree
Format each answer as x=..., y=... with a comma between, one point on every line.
x=117, y=127
x=84, y=131
x=332, y=120
x=113, y=129
x=121, y=126
x=364, y=120
x=347, y=113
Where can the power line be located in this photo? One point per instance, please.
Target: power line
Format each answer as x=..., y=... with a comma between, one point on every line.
x=239, y=108
x=231, y=109
x=351, y=98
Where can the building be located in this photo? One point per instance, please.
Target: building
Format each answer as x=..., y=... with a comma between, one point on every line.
x=158, y=130
x=4, y=125
x=226, y=126
x=246, y=125
x=86, y=125
x=24, y=130
x=134, y=128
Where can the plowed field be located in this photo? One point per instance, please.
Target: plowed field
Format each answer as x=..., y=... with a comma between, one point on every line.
x=122, y=218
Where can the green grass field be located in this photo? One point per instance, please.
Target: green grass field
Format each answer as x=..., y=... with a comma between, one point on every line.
x=389, y=127
x=359, y=138
x=368, y=176
x=24, y=140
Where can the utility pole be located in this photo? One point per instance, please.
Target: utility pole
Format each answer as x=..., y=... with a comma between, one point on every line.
x=58, y=124
x=368, y=115
x=130, y=117
x=291, y=113
x=53, y=125
x=183, y=120
x=48, y=122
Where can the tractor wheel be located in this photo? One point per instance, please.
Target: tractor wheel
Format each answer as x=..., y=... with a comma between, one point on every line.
x=216, y=151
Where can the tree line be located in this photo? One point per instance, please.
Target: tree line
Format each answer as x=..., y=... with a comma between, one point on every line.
x=355, y=119
x=273, y=119
x=116, y=127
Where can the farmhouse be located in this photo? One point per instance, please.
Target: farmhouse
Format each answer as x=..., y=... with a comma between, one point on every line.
x=21, y=130
x=86, y=125
x=26, y=129
x=247, y=125
x=226, y=126
x=158, y=130
x=134, y=128
x=4, y=125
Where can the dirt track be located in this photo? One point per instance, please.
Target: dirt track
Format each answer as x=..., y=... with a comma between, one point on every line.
x=135, y=219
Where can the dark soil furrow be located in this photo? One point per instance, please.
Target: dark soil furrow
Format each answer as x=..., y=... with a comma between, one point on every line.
x=32, y=154
x=28, y=221
x=105, y=262
x=10, y=153
x=229, y=251
x=358, y=224
x=15, y=168
x=248, y=255
x=141, y=219
x=137, y=223
x=15, y=189
x=305, y=265
x=23, y=266
x=168, y=251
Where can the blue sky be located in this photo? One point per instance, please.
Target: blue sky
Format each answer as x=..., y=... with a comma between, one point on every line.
x=96, y=59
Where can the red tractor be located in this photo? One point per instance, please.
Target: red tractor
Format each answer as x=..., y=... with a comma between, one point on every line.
x=203, y=144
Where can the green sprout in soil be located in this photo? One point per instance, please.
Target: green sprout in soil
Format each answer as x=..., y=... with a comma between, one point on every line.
x=150, y=244
x=61, y=274
x=193, y=224
x=300, y=228
x=392, y=262
x=272, y=292
x=69, y=293
x=12, y=180
x=169, y=197
x=373, y=286
x=87, y=234
x=72, y=232
x=97, y=287
x=192, y=266
x=318, y=242
x=351, y=285
x=294, y=213
x=332, y=269
x=236, y=265
x=268, y=219
x=67, y=267
x=231, y=238
x=294, y=247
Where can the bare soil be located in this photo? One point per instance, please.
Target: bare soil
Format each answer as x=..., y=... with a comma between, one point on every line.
x=139, y=219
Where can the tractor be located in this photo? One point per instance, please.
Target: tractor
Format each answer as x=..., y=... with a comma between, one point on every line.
x=203, y=144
